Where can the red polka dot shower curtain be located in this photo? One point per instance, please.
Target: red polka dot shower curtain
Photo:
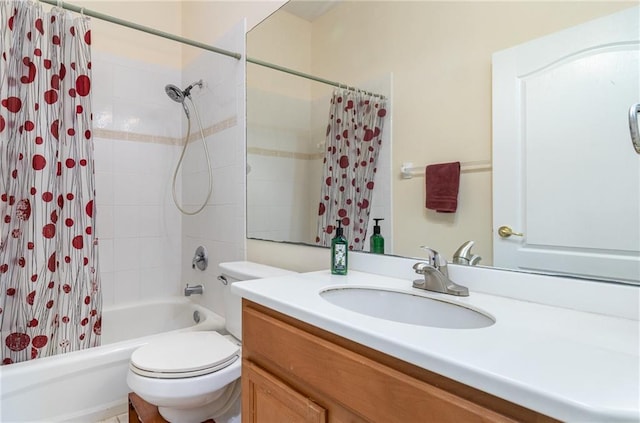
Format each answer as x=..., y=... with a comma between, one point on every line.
x=50, y=289
x=353, y=140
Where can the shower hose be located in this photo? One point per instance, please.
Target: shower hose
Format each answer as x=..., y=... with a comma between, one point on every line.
x=184, y=150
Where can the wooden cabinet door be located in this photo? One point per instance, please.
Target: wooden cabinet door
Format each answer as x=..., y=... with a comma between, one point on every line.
x=268, y=400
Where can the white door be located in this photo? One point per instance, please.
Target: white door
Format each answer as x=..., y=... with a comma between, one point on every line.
x=566, y=175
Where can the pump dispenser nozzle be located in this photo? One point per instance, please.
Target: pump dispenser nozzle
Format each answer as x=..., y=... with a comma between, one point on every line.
x=339, y=229
x=376, y=226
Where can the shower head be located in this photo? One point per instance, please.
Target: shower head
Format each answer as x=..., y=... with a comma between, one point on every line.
x=178, y=95
x=174, y=93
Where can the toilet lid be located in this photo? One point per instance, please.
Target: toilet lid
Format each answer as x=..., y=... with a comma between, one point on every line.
x=184, y=354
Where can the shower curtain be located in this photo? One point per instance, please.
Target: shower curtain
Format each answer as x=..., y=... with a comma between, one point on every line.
x=50, y=299
x=353, y=140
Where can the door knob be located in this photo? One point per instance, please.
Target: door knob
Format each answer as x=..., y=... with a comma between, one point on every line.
x=506, y=232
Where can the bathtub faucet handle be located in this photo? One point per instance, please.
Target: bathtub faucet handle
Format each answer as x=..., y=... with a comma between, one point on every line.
x=200, y=259
x=190, y=290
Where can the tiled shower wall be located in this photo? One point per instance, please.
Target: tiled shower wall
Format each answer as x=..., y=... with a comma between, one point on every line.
x=145, y=243
x=220, y=227
x=135, y=128
x=285, y=168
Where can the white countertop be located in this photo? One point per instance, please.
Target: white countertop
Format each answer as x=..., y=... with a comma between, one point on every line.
x=571, y=365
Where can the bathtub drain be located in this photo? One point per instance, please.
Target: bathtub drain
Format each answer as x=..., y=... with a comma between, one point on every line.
x=196, y=316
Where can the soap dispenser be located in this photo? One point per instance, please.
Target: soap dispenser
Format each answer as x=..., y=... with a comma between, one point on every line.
x=376, y=242
x=339, y=251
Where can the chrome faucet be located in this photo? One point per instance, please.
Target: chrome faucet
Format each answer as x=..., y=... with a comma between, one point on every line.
x=200, y=259
x=190, y=290
x=463, y=255
x=436, y=276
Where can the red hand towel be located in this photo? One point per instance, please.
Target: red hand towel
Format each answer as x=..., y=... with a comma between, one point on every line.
x=442, y=184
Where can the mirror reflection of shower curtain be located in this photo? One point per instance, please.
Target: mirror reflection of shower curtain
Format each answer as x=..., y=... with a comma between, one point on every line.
x=353, y=140
x=50, y=298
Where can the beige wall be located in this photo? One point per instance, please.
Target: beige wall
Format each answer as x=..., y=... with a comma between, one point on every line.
x=440, y=57
x=115, y=39
x=299, y=258
x=203, y=21
x=206, y=21
x=292, y=33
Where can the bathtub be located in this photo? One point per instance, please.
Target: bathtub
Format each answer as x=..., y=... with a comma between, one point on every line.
x=90, y=385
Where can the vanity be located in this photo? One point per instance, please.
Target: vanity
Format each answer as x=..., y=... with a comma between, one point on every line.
x=308, y=358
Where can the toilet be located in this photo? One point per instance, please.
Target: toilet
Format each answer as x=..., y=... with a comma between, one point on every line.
x=195, y=376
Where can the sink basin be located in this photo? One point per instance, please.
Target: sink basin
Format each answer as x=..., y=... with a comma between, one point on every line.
x=406, y=307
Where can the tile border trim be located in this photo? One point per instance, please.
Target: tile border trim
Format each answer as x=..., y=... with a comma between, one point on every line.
x=267, y=152
x=160, y=139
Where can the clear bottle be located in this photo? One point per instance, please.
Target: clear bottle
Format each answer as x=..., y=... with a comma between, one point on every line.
x=339, y=252
x=376, y=242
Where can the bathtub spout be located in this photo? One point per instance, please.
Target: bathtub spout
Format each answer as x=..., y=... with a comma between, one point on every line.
x=196, y=289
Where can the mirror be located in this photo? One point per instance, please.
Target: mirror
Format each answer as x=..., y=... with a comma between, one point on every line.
x=437, y=60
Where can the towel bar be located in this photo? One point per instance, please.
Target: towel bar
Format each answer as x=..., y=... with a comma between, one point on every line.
x=408, y=171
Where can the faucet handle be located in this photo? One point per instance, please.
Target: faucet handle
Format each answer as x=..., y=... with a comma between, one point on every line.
x=421, y=267
x=435, y=258
x=200, y=259
x=463, y=255
x=433, y=255
x=475, y=259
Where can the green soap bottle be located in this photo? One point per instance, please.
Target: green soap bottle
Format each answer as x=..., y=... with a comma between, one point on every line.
x=376, y=242
x=339, y=252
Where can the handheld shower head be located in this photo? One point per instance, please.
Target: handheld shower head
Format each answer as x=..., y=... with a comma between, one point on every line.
x=178, y=95
x=174, y=93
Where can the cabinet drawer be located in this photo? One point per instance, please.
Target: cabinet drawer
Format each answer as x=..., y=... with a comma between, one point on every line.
x=374, y=391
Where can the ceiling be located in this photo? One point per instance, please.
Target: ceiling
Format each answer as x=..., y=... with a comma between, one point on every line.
x=309, y=10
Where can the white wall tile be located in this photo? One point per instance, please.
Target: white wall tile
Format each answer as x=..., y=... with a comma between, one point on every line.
x=126, y=221
x=106, y=254
x=150, y=253
x=103, y=154
x=101, y=90
x=127, y=188
x=105, y=191
x=150, y=222
x=126, y=286
x=196, y=189
x=107, y=286
x=154, y=284
x=126, y=254
x=104, y=221
x=152, y=186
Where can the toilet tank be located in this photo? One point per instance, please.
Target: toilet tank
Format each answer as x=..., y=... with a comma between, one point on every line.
x=242, y=271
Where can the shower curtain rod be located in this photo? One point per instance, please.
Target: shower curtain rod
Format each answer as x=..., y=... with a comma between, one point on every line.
x=308, y=76
x=162, y=34
x=121, y=22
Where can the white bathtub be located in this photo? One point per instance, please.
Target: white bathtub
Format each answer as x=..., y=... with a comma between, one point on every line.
x=90, y=385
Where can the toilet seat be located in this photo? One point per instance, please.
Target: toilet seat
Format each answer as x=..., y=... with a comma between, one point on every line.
x=183, y=355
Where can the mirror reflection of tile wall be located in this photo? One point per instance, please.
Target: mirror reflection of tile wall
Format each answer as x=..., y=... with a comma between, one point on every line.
x=285, y=152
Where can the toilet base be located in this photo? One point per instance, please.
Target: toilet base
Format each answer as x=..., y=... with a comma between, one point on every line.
x=224, y=409
x=141, y=411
